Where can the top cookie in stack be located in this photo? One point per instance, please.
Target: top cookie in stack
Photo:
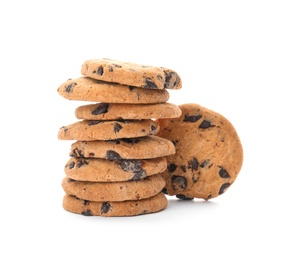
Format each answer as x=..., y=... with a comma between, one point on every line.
x=116, y=138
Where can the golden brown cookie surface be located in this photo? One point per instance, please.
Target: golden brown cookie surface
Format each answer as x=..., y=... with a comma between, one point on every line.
x=114, y=191
x=115, y=209
x=103, y=170
x=86, y=130
x=87, y=89
x=114, y=111
x=208, y=156
x=131, y=74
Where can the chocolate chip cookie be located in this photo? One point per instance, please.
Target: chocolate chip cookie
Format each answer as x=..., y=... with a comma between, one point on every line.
x=103, y=170
x=87, y=89
x=132, y=74
x=208, y=156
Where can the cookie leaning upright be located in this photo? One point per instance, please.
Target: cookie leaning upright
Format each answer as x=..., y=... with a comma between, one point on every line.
x=131, y=74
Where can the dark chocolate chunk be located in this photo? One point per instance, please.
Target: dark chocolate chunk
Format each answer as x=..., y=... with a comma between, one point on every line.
x=153, y=128
x=87, y=213
x=85, y=202
x=82, y=162
x=105, y=207
x=117, y=128
x=101, y=109
x=99, y=71
x=183, y=197
x=203, y=164
x=223, y=173
x=171, y=79
x=205, y=124
x=223, y=188
x=94, y=122
x=91, y=154
x=164, y=190
x=70, y=87
x=77, y=153
x=193, y=164
x=150, y=84
x=117, y=65
x=71, y=165
x=112, y=155
x=172, y=167
x=192, y=119
x=110, y=69
x=179, y=183
x=134, y=166
x=183, y=168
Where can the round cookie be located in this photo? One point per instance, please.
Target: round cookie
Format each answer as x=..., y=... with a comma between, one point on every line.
x=87, y=130
x=115, y=209
x=114, y=111
x=208, y=156
x=87, y=89
x=114, y=191
x=131, y=74
x=103, y=170
x=127, y=148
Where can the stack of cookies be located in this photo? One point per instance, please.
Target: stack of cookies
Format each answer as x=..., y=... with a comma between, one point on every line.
x=116, y=157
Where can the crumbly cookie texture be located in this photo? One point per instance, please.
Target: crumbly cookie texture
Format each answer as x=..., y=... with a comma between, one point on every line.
x=115, y=209
x=103, y=170
x=132, y=74
x=114, y=191
x=208, y=156
x=126, y=148
x=113, y=111
x=87, y=130
x=87, y=89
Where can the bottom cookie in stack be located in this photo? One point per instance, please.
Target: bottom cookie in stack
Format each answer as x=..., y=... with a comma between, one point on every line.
x=117, y=177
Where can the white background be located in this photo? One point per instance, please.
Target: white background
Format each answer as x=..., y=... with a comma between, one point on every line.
x=239, y=58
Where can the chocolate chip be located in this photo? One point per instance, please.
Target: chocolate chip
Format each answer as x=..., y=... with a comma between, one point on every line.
x=94, y=122
x=101, y=109
x=183, y=168
x=71, y=165
x=70, y=87
x=183, y=197
x=91, y=154
x=117, y=65
x=81, y=163
x=223, y=188
x=164, y=190
x=85, y=202
x=112, y=155
x=192, y=119
x=117, y=128
x=193, y=164
x=87, y=213
x=105, y=207
x=179, y=183
x=171, y=79
x=99, y=71
x=205, y=124
x=223, y=173
x=150, y=84
x=172, y=167
x=153, y=128
x=110, y=69
x=77, y=153
x=134, y=166
x=203, y=164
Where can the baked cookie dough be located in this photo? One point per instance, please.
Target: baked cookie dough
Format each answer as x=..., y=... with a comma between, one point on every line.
x=114, y=111
x=114, y=191
x=87, y=89
x=103, y=170
x=208, y=156
x=87, y=130
x=126, y=148
x=132, y=74
x=115, y=209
